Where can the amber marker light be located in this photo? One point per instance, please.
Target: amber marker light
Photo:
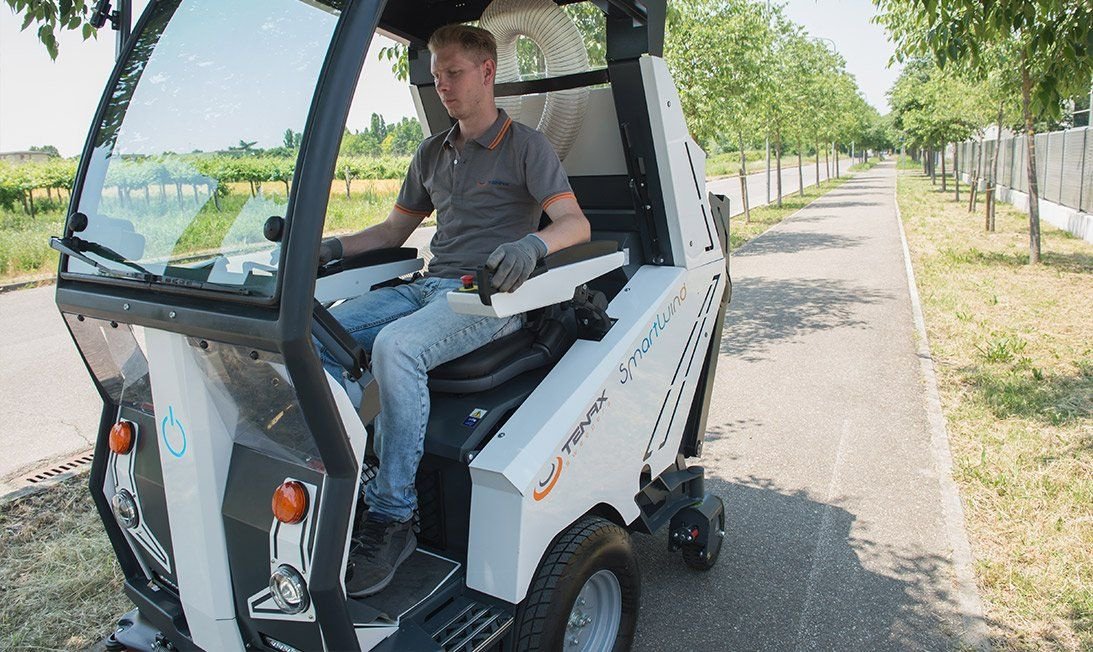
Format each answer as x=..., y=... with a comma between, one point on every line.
x=121, y=437
x=290, y=502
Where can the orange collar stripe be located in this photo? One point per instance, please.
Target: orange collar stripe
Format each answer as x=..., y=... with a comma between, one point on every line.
x=501, y=134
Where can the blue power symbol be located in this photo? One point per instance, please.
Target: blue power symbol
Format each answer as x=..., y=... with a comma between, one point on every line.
x=172, y=429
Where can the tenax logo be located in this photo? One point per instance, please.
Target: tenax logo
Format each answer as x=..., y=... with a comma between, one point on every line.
x=549, y=478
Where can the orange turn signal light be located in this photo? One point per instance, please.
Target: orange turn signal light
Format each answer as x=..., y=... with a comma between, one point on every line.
x=121, y=437
x=290, y=502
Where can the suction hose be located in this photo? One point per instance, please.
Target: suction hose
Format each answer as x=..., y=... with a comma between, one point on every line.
x=563, y=48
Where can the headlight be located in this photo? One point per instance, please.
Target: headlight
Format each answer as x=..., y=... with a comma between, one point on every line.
x=125, y=508
x=289, y=590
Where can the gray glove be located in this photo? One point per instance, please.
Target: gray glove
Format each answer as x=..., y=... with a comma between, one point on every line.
x=513, y=262
x=329, y=249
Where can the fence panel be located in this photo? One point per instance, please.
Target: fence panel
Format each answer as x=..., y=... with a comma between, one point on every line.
x=1087, y=174
x=1070, y=170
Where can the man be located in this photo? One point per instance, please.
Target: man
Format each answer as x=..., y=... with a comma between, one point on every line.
x=489, y=180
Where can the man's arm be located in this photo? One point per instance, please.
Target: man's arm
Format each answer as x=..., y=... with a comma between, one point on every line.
x=392, y=232
x=568, y=225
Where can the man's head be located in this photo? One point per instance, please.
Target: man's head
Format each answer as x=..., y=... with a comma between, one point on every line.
x=464, y=65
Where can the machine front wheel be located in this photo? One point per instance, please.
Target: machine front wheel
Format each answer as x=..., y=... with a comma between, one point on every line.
x=585, y=594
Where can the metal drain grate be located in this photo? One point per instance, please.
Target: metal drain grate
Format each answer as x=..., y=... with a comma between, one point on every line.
x=51, y=473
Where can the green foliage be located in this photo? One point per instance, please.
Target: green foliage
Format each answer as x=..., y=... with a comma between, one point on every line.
x=53, y=15
x=1051, y=40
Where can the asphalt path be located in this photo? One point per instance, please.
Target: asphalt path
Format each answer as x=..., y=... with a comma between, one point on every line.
x=757, y=183
x=819, y=444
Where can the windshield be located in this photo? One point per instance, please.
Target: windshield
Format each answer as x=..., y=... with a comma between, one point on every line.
x=198, y=145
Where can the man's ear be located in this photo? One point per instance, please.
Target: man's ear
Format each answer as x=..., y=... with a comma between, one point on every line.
x=489, y=67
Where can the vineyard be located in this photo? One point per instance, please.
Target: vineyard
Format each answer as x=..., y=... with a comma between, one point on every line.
x=34, y=196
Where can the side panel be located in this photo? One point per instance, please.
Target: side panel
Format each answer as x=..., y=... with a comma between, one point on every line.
x=606, y=411
x=681, y=166
x=195, y=456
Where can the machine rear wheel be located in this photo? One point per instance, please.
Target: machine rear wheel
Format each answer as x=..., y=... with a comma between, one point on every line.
x=693, y=556
x=585, y=594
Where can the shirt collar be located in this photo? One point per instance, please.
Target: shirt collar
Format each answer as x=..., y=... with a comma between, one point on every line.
x=492, y=136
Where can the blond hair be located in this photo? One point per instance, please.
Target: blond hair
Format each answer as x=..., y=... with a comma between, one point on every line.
x=475, y=41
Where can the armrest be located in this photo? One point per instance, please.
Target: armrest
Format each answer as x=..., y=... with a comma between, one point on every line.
x=553, y=282
x=351, y=277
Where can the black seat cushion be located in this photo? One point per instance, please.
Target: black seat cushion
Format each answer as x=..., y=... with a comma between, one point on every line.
x=503, y=359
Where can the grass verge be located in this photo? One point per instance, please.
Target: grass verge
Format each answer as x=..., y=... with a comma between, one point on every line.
x=60, y=587
x=1015, y=372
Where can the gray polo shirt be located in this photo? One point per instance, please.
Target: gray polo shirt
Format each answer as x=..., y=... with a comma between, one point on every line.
x=492, y=192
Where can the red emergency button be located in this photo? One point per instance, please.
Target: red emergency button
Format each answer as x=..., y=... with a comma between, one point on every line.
x=468, y=281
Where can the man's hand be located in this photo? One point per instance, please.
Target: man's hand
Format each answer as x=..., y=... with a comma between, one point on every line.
x=329, y=249
x=513, y=262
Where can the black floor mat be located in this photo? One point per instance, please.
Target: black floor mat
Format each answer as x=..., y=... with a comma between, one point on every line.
x=418, y=576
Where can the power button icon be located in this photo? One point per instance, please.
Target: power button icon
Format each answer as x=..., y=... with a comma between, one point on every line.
x=174, y=434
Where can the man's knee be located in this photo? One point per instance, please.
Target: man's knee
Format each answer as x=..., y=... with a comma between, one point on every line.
x=392, y=350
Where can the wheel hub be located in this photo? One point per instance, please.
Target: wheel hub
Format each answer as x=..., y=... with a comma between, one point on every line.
x=593, y=623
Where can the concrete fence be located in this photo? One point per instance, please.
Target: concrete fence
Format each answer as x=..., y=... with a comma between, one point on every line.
x=1064, y=174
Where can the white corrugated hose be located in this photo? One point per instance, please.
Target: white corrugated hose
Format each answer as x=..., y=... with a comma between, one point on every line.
x=564, y=51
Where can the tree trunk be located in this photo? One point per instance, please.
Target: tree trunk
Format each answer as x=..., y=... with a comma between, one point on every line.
x=285, y=181
x=956, y=170
x=817, y=164
x=800, y=171
x=197, y=202
x=216, y=197
x=348, y=184
x=836, y=149
x=827, y=162
x=992, y=196
x=1033, y=189
x=147, y=196
x=944, y=185
x=30, y=202
x=933, y=166
x=744, y=180
x=778, y=156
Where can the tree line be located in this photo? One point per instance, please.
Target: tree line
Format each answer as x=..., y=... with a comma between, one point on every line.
x=971, y=65
x=381, y=151
x=746, y=73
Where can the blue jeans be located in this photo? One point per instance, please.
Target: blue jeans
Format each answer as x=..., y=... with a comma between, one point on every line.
x=408, y=329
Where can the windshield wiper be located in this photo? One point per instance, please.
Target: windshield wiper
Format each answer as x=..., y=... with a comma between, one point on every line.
x=72, y=247
x=201, y=285
x=65, y=246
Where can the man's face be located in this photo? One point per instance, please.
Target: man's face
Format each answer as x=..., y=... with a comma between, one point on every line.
x=464, y=85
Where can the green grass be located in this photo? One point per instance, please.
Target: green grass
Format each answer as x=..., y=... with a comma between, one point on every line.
x=905, y=163
x=60, y=586
x=1015, y=371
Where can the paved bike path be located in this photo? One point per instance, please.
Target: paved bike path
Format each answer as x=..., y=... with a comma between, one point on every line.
x=819, y=443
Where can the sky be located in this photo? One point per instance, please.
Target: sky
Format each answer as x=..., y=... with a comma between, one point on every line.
x=44, y=102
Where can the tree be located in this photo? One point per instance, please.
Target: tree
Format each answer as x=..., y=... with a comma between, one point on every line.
x=46, y=149
x=716, y=52
x=1052, y=40
x=52, y=16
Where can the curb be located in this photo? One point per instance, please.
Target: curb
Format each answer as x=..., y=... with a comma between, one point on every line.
x=965, y=589
x=37, y=281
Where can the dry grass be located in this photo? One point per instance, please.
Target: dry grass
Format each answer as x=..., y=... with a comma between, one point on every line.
x=60, y=587
x=1015, y=368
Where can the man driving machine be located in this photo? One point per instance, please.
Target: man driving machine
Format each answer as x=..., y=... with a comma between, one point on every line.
x=489, y=179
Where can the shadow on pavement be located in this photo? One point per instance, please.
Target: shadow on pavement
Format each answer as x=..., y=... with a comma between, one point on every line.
x=791, y=242
x=790, y=577
x=765, y=311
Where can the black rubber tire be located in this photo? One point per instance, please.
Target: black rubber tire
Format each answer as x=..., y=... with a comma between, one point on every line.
x=590, y=545
x=691, y=554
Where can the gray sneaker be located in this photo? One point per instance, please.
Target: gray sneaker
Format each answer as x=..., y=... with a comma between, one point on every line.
x=375, y=555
